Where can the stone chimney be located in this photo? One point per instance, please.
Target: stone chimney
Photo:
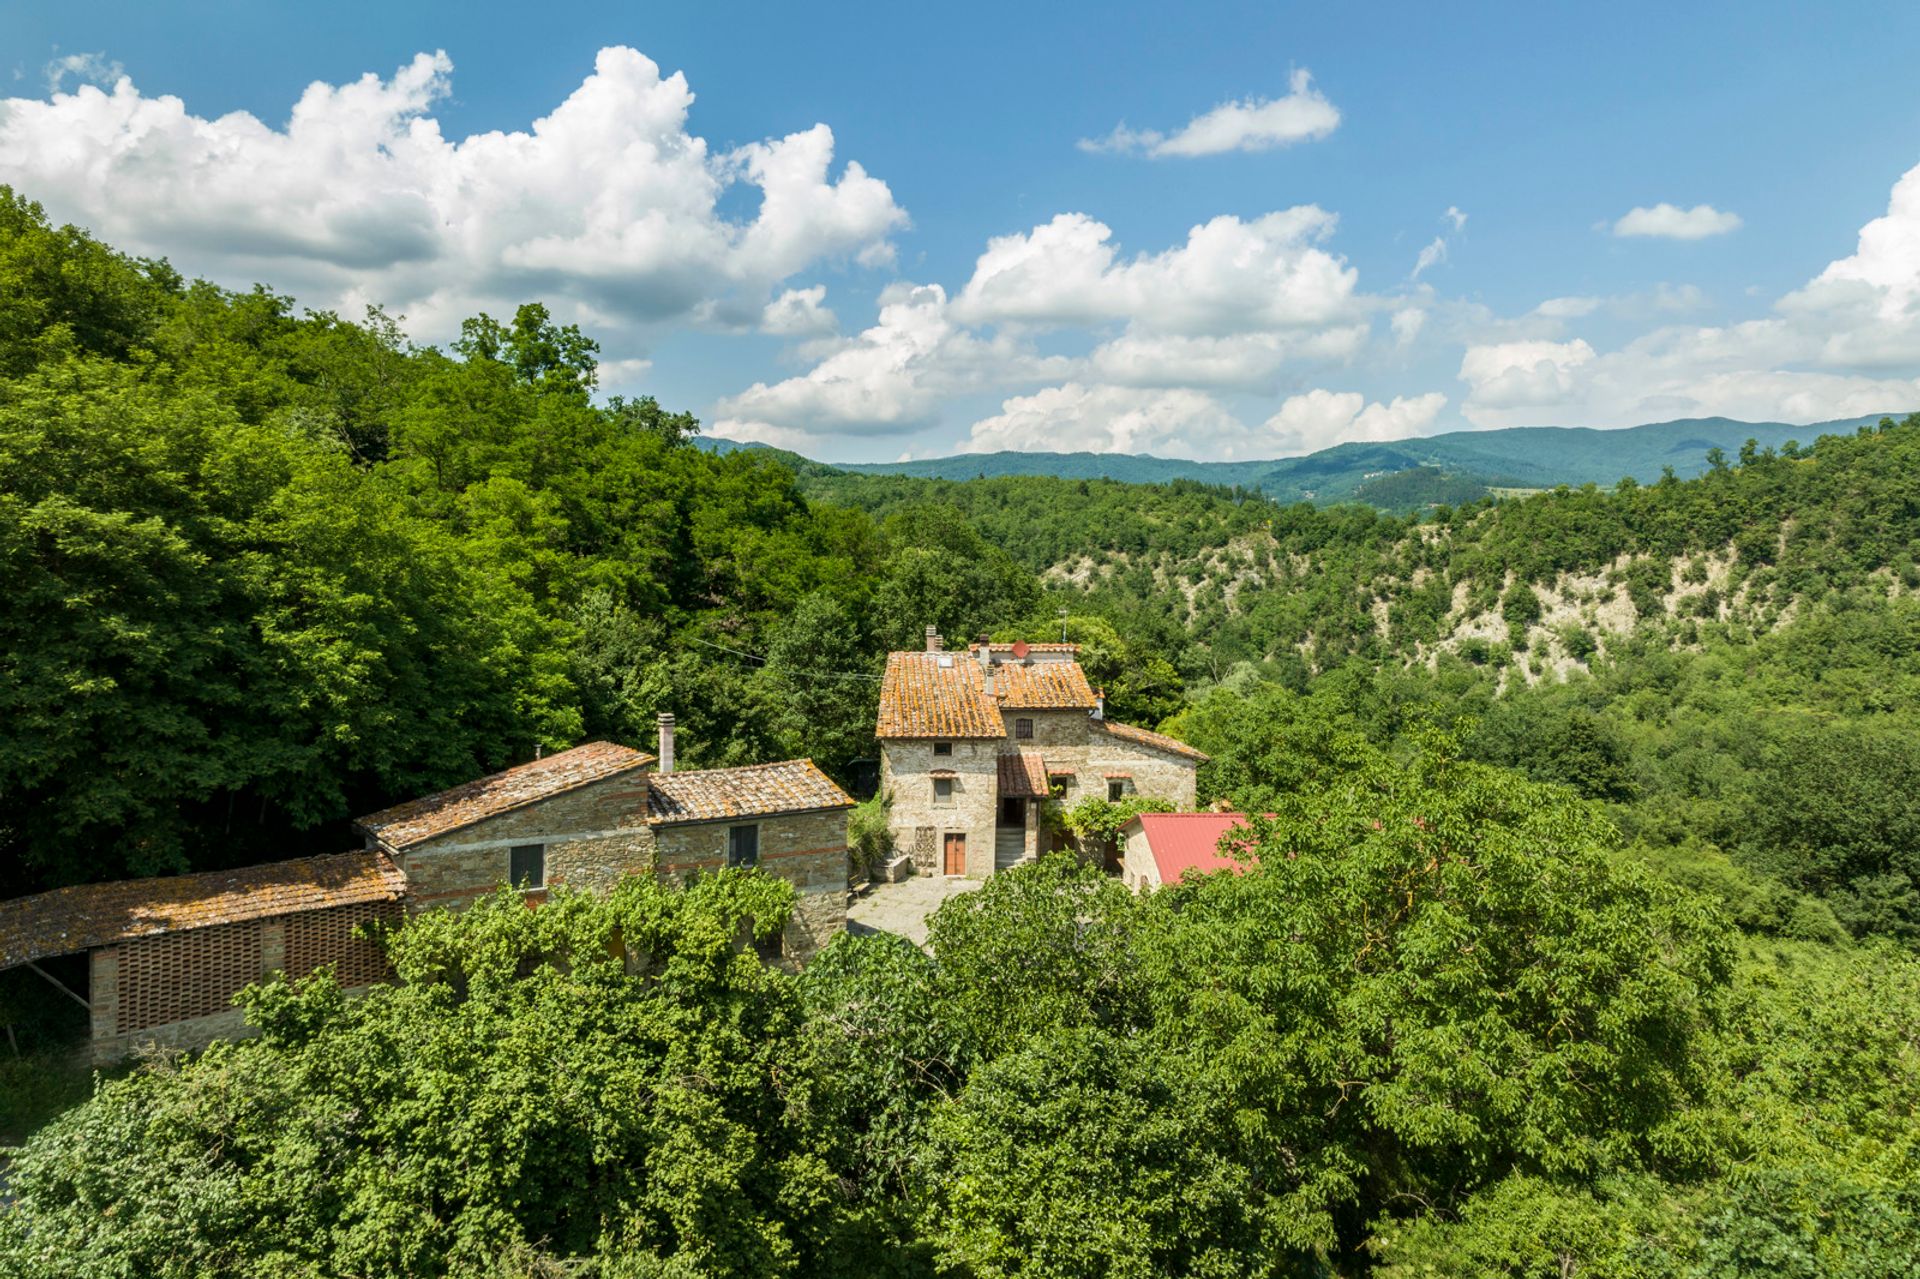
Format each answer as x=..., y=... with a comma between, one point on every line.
x=988, y=673
x=986, y=653
x=933, y=639
x=666, y=743
x=1099, y=703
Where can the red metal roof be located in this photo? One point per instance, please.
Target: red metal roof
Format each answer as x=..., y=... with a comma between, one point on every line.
x=1182, y=842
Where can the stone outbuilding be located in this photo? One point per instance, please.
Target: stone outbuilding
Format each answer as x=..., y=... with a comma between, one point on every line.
x=590, y=816
x=1157, y=849
x=972, y=744
x=577, y=818
x=166, y=956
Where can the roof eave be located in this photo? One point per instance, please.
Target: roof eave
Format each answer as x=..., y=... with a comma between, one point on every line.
x=398, y=849
x=741, y=817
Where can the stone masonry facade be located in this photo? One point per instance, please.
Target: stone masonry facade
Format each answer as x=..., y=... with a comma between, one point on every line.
x=596, y=835
x=167, y=956
x=808, y=850
x=922, y=823
x=593, y=837
x=995, y=700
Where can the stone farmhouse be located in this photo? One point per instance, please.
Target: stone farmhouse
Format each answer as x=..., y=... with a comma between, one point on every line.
x=166, y=956
x=972, y=743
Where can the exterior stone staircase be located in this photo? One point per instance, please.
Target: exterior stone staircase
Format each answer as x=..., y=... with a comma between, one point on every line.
x=1009, y=846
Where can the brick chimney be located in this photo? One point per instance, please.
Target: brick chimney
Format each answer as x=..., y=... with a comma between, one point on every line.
x=1099, y=703
x=666, y=743
x=933, y=639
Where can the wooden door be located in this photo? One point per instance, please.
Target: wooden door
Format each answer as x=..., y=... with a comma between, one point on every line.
x=956, y=854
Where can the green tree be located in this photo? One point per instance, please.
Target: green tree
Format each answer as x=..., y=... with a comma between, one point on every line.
x=1437, y=975
x=1837, y=812
x=615, y=1079
x=1083, y=1153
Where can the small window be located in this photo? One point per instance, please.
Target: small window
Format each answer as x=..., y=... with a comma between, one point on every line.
x=1115, y=790
x=1023, y=729
x=743, y=845
x=943, y=748
x=943, y=790
x=527, y=865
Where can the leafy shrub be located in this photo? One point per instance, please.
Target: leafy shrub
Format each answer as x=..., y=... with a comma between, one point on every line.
x=870, y=836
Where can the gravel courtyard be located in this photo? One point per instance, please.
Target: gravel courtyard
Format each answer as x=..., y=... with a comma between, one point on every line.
x=903, y=907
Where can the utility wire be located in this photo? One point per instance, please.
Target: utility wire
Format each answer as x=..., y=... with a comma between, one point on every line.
x=755, y=657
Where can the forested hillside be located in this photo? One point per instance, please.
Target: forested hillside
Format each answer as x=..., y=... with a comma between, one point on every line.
x=269, y=570
x=1400, y=475
x=1578, y=937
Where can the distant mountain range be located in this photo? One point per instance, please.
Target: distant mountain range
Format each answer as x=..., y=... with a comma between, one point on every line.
x=1398, y=474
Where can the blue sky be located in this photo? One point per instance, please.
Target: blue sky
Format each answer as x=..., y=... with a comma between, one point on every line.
x=947, y=266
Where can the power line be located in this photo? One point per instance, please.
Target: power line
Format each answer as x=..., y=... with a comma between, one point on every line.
x=755, y=657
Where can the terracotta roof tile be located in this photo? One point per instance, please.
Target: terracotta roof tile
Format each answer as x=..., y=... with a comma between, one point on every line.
x=1042, y=686
x=936, y=695
x=1158, y=741
x=1023, y=775
x=88, y=915
x=407, y=824
x=944, y=695
x=1031, y=648
x=715, y=794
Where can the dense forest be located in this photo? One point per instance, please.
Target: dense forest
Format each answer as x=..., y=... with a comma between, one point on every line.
x=1580, y=939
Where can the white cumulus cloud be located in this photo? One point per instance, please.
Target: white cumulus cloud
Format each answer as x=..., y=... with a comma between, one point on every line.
x=607, y=207
x=1253, y=124
x=1845, y=344
x=1670, y=222
x=1168, y=422
x=1231, y=276
x=1321, y=419
x=88, y=68
x=1186, y=423
x=893, y=377
x=799, y=313
x=1225, y=310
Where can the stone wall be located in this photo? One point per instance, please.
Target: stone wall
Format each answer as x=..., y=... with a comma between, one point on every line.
x=808, y=850
x=593, y=836
x=1138, y=870
x=817, y=918
x=906, y=768
x=1094, y=753
x=1068, y=739
x=1051, y=730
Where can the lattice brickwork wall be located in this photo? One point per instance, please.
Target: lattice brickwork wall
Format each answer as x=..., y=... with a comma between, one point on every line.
x=177, y=976
x=317, y=937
